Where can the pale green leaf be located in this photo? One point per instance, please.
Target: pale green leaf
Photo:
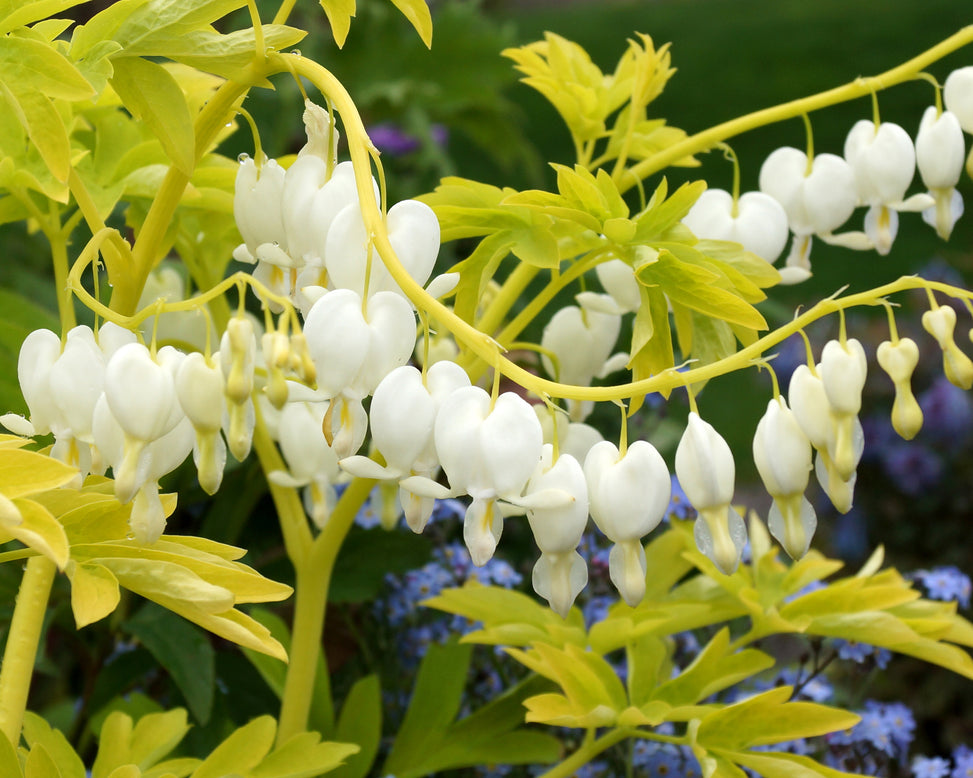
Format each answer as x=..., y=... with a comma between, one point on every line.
x=339, y=13
x=9, y=764
x=38, y=732
x=784, y=765
x=102, y=27
x=24, y=473
x=19, y=13
x=46, y=131
x=228, y=55
x=242, y=751
x=151, y=94
x=150, y=28
x=155, y=735
x=40, y=764
x=31, y=66
x=303, y=757
x=417, y=12
x=113, y=744
x=94, y=592
x=38, y=530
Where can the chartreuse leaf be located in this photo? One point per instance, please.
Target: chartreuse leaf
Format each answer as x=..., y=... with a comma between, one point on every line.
x=434, y=704
x=37, y=529
x=149, y=29
x=360, y=722
x=183, y=651
x=126, y=771
x=417, y=12
x=241, y=752
x=592, y=693
x=151, y=94
x=19, y=13
x=775, y=764
x=651, y=351
x=228, y=55
x=94, y=592
x=29, y=65
x=303, y=757
x=509, y=617
x=38, y=732
x=713, y=669
x=46, y=130
x=769, y=718
x=692, y=286
x=24, y=473
x=155, y=735
x=113, y=744
x=339, y=13
x=40, y=764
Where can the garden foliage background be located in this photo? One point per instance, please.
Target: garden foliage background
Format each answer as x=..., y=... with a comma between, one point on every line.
x=459, y=109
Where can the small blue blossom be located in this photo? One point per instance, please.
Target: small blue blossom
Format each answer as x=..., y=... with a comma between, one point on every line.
x=962, y=762
x=947, y=583
x=657, y=760
x=596, y=769
x=947, y=414
x=596, y=609
x=859, y=652
x=930, y=767
x=679, y=506
x=886, y=727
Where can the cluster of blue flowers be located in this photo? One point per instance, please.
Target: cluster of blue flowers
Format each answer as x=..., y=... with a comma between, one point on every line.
x=960, y=765
x=947, y=583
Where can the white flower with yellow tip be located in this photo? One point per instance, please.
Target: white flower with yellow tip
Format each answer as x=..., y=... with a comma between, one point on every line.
x=706, y=473
x=817, y=197
x=940, y=323
x=899, y=360
x=199, y=388
x=755, y=220
x=940, y=152
x=883, y=159
x=782, y=454
x=628, y=495
x=560, y=574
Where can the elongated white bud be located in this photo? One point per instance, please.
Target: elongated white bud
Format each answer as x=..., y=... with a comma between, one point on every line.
x=899, y=360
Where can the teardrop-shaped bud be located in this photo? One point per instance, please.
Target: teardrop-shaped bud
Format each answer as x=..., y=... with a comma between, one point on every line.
x=704, y=465
x=899, y=360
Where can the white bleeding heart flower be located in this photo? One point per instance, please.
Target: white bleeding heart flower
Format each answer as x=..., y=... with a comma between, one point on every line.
x=843, y=369
x=38, y=353
x=413, y=231
x=958, y=96
x=940, y=152
x=940, y=323
x=706, y=473
x=883, y=159
x=560, y=574
x=618, y=280
x=256, y=208
x=628, y=496
x=756, y=220
x=582, y=341
x=199, y=388
x=782, y=454
x=818, y=198
x=311, y=462
x=488, y=450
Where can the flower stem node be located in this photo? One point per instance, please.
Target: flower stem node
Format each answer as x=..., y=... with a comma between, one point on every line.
x=940, y=322
x=782, y=454
x=899, y=360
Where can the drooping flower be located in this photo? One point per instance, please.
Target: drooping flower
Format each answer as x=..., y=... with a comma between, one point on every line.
x=940, y=152
x=818, y=197
x=628, y=495
x=782, y=454
x=899, y=360
x=706, y=472
x=756, y=220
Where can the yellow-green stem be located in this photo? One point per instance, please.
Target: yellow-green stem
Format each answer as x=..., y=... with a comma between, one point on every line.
x=22, y=640
x=588, y=751
x=314, y=568
x=860, y=87
x=59, y=255
x=210, y=121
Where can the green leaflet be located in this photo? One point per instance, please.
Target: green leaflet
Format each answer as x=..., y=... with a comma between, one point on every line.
x=417, y=12
x=149, y=29
x=151, y=94
x=360, y=722
x=339, y=13
x=29, y=65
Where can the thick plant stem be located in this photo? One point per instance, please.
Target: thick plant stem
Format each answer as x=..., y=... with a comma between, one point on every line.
x=21, y=652
x=314, y=568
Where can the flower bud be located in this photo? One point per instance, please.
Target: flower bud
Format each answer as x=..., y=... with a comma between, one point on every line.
x=958, y=96
x=940, y=323
x=899, y=360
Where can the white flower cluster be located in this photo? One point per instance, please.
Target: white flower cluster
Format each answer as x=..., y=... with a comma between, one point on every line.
x=814, y=197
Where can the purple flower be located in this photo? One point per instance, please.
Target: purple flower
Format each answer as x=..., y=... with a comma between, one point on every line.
x=963, y=762
x=391, y=139
x=913, y=468
x=947, y=413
